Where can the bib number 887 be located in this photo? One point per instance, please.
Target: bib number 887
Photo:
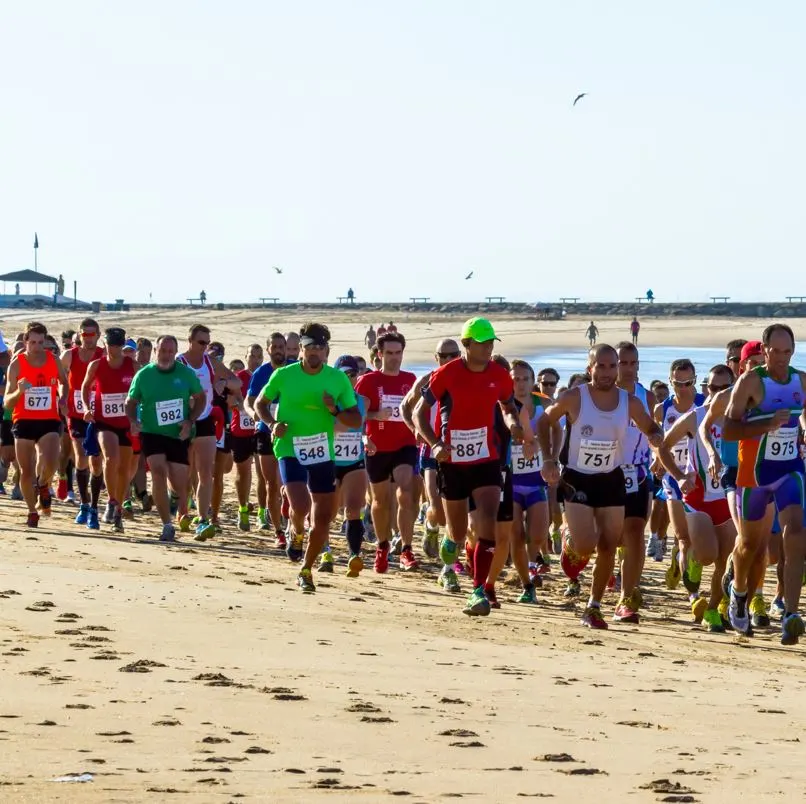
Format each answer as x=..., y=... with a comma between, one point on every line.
x=471, y=449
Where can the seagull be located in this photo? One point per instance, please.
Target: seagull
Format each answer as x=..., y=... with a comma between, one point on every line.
x=469, y=275
x=279, y=270
x=579, y=98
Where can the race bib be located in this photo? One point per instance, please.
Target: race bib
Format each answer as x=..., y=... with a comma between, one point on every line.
x=595, y=454
x=347, y=447
x=522, y=465
x=245, y=421
x=713, y=488
x=782, y=444
x=630, y=478
x=310, y=450
x=113, y=406
x=469, y=445
x=38, y=398
x=393, y=402
x=78, y=402
x=170, y=411
x=680, y=453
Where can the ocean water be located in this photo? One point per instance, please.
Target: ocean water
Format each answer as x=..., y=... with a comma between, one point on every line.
x=655, y=361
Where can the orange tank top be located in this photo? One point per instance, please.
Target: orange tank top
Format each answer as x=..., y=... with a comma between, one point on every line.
x=40, y=401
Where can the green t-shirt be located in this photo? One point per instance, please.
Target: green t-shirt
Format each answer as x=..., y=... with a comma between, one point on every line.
x=309, y=437
x=163, y=397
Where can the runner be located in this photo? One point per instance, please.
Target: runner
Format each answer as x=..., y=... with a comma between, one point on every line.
x=75, y=362
x=165, y=399
x=214, y=377
x=103, y=397
x=638, y=485
x=709, y=524
x=291, y=347
x=33, y=394
x=268, y=473
x=396, y=451
x=468, y=392
x=597, y=418
x=447, y=350
x=548, y=381
x=763, y=415
x=635, y=328
x=370, y=337
x=312, y=397
x=592, y=333
x=243, y=441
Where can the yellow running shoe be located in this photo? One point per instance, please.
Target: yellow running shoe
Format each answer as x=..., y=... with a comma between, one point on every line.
x=185, y=522
x=698, y=609
x=673, y=573
x=758, y=612
x=354, y=566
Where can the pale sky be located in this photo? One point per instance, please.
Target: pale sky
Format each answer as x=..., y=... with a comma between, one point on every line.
x=172, y=146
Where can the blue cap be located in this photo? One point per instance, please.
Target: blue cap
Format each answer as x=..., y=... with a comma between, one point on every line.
x=347, y=363
x=130, y=344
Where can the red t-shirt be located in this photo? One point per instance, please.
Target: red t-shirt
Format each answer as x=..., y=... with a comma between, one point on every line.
x=242, y=424
x=468, y=400
x=110, y=391
x=385, y=391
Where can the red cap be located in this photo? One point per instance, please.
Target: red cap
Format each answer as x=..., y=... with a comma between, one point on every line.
x=752, y=348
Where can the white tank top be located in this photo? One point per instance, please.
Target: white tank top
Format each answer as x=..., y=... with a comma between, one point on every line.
x=205, y=375
x=680, y=450
x=593, y=441
x=698, y=457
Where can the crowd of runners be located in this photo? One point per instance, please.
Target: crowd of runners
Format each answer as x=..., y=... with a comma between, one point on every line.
x=499, y=463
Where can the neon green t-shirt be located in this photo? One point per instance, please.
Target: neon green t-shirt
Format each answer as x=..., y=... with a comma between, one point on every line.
x=309, y=437
x=164, y=397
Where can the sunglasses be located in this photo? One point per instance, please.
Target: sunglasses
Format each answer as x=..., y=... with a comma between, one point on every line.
x=447, y=355
x=734, y=360
x=552, y=383
x=203, y=343
x=715, y=389
x=89, y=334
x=684, y=383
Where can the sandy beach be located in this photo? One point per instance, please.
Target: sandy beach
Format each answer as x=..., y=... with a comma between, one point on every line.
x=198, y=673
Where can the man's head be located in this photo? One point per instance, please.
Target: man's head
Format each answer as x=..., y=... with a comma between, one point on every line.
x=254, y=356
x=578, y=378
x=603, y=366
x=733, y=354
x=115, y=338
x=447, y=350
x=215, y=351
x=375, y=358
x=523, y=377
x=362, y=365
x=292, y=344
x=236, y=365
x=660, y=389
x=683, y=377
x=167, y=347
x=478, y=339
x=144, y=349
x=67, y=338
x=779, y=346
x=627, y=362
x=276, y=344
x=349, y=365
x=547, y=381
x=313, y=344
x=89, y=331
x=34, y=338
x=752, y=356
x=720, y=377
x=198, y=339
x=390, y=348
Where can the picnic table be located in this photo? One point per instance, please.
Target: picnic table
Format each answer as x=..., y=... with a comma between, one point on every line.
x=346, y=299
x=272, y=299
x=569, y=299
x=419, y=299
x=190, y=301
x=498, y=299
x=640, y=299
x=791, y=299
x=723, y=299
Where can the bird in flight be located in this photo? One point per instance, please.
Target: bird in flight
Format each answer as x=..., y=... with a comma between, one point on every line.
x=279, y=270
x=469, y=275
x=579, y=98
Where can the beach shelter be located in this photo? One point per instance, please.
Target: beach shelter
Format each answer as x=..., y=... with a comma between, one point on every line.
x=28, y=277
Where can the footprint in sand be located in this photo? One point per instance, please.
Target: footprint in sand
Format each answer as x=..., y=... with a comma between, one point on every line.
x=140, y=666
x=42, y=605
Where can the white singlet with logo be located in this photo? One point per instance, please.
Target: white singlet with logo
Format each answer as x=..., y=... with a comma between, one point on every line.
x=593, y=441
x=697, y=457
x=205, y=375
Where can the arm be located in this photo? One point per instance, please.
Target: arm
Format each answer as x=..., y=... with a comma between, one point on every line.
x=715, y=412
x=549, y=433
x=226, y=379
x=645, y=423
x=410, y=400
x=13, y=390
x=89, y=379
x=131, y=414
x=65, y=384
x=744, y=393
x=682, y=428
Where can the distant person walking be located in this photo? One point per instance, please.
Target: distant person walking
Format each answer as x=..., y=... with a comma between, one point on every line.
x=592, y=334
x=350, y=296
x=635, y=328
x=370, y=338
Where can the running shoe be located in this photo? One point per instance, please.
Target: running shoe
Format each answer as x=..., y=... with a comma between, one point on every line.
x=305, y=581
x=61, y=488
x=117, y=521
x=16, y=493
x=185, y=522
x=727, y=578
x=204, y=530
x=382, y=557
x=571, y=563
x=173, y=502
x=33, y=520
x=556, y=542
x=737, y=612
x=92, y=519
x=459, y=568
x=147, y=501
x=279, y=540
x=652, y=546
x=489, y=592
x=572, y=590
x=354, y=566
x=109, y=513
x=326, y=561
x=777, y=608
x=692, y=577
x=611, y=583
x=168, y=533
x=431, y=542
x=477, y=604
x=243, y=519
x=397, y=545
x=542, y=565
x=45, y=501
x=447, y=551
x=263, y=519
x=791, y=629
x=625, y=613
x=71, y=496
x=758, y=612
x=448, y=580
x=128, y=509
x=673, y=572
x=528, y=595
x=83, y=514
x=421, y=515
x=407, y=560
x=698, y=608
x=592, y=618
x=295, y=547
x=712, y=620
